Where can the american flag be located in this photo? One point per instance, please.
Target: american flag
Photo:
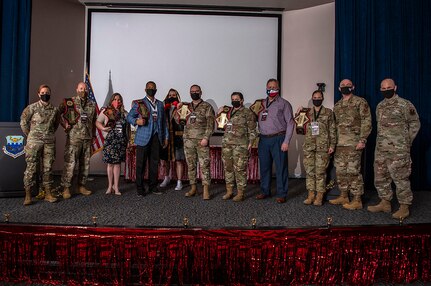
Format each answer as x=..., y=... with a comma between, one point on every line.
x=98, y=138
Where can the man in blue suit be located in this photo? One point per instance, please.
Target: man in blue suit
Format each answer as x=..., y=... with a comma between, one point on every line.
x=151, y=135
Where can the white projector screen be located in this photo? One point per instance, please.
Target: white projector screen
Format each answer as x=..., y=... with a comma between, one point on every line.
x=222, y=53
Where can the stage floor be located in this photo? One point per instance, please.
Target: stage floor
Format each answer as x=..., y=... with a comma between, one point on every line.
x=170, y=208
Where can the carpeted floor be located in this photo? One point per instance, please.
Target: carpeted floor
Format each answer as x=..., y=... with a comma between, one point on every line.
x=170, y=208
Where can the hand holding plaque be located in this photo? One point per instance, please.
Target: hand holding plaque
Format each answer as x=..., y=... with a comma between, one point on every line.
x=222, y=118
x=257, y=107
x=112, y=115
x=301, y=120
x=182, y=114
x=70, y=114
x=143, y=111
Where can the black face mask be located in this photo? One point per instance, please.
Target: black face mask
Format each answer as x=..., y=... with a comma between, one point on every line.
x=171, y=99
x=236, y=103
x=346, y=90
x=388, y=93
x=151, y=92
x=317, y=102
x=45, y=97
x=195, y=96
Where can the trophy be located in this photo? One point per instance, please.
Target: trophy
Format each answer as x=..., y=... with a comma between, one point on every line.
x=143, y=111
x=222, y=118
x=301, y=119
x=70, y=114
x=257, y=107
x=181, y=115
x=112, y=115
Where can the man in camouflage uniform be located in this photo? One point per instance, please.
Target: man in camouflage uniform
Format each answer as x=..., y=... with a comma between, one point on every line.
x=397, y=126
x=353, y=125
x=318, y=146
x=78, y=119
x=197, y=132
x=39, y=121
x=239, y=136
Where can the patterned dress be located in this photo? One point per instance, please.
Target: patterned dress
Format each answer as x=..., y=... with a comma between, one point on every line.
x=114, y=148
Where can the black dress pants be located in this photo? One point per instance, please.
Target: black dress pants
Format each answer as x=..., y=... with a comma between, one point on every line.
x=143, y=153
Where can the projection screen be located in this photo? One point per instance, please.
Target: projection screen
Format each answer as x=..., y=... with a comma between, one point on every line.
x=221, y=52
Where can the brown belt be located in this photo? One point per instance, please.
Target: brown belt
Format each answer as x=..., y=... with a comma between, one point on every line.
x=273, y=135
x=179, y=133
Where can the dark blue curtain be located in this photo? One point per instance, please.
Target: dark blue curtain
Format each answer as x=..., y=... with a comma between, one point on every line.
x=388, y=38
x=15, y=24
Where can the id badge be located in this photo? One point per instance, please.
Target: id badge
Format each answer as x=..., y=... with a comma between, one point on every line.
x=154, y=116
x=84, y=117
x=229, y=127
x=264, y=115
x=192, y=118
x=314, y=128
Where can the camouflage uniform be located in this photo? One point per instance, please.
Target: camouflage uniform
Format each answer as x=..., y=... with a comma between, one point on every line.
x=235, y=143
x=195, y=130
x=39, y=123
x=316, y=157
x=78, y=142
x=397, y=126
x=353, y=124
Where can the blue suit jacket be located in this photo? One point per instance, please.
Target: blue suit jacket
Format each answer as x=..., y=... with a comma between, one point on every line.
x=143, y=133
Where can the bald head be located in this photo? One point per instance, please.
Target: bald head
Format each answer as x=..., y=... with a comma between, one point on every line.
x=387, y=83
x=388, y=87
x=81, y=89
x=346, y=82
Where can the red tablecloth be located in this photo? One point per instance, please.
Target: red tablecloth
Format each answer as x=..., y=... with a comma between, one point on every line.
x=217, y=172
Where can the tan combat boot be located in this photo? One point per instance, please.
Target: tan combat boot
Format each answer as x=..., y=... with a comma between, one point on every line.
x=41, y=194
x=192, y=191
x=343, y=198
x=84, y=191
x=48, y=195
x=310, y=198
x=229, y=192
x=206, y=195
x=402, y=213
x=383, y=206
x=355, y=204
x=319, y=198
x=239, y=196
x=66, y=193
x=27, y=199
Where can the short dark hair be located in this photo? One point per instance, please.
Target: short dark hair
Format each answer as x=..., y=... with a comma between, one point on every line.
x=151, y=82
x=271, y=80
x=195, y=85
x=237, y=93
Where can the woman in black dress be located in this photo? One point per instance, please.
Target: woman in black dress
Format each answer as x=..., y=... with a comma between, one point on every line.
x=112, y=121
x=175, y=150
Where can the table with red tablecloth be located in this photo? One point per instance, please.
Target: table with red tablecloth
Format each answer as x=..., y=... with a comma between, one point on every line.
x=217, y=170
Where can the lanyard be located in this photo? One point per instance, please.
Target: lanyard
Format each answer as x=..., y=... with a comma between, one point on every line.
x=232, y=112
x=318, y=113
x=193, y=106
x=268, y=103
x=153, y=106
